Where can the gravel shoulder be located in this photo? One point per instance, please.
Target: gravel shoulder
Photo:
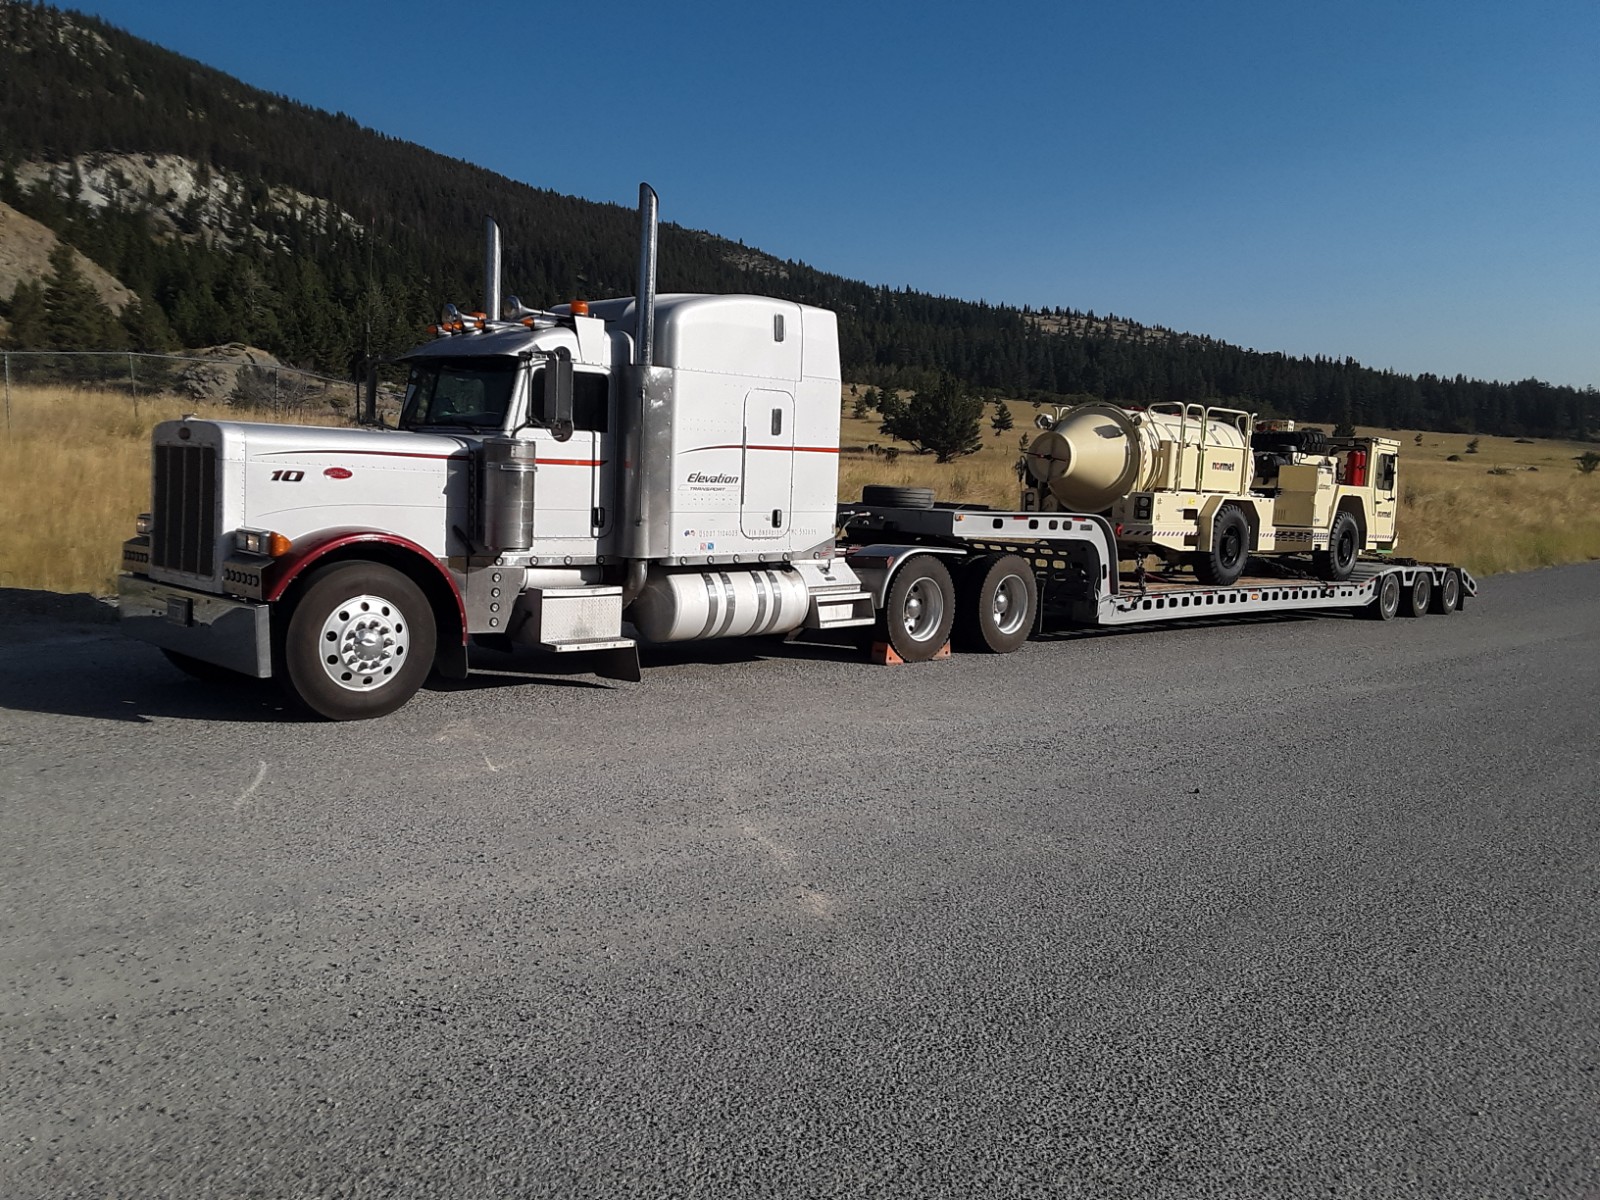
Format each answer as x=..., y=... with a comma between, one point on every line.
x=1272, y=908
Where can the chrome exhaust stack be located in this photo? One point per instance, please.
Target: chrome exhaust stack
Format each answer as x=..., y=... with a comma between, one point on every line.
x=634, y=533
x=491, y=272
x=645, y=339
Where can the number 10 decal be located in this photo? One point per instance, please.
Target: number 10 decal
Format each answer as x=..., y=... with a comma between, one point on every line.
x=288, y=476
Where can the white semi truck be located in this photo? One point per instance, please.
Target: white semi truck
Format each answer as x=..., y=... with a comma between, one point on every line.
x=660, y=468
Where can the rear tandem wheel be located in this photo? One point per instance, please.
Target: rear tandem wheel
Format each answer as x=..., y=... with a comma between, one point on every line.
x=919, y=609
x=1447, y=596
x=997, y=597
x=1387, y=602
x=1415, y=601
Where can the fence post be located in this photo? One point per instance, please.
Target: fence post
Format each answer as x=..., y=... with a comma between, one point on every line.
x=8, y=395
x=133, y=386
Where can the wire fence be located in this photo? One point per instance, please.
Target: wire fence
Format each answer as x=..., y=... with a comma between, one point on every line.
x=235, y=377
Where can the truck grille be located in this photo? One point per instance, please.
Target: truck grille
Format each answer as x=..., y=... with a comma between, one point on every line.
x=185, y=509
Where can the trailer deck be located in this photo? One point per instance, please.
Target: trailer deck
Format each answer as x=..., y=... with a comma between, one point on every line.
x=1080, y=576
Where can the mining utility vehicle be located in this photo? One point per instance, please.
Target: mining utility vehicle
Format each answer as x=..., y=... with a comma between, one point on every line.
x=1211, y=486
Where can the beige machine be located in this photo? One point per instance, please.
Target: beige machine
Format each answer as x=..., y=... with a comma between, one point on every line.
x=1212, y=486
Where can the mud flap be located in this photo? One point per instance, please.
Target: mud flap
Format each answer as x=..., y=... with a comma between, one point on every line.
x=621, y=663
x=451, y=662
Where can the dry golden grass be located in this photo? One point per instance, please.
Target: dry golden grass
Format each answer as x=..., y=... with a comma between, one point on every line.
x=75, y=472
x=1541, y=512
x=987, y=477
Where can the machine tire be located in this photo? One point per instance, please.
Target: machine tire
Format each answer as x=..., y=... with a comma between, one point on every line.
x=996, y=598
x=1344, y=546
x=884, y=496
x=1387, y=602
x=1447, y=596
x=205, y=672
x=919, y=609
x=359, y=642
x=1416, y=599
x=1222, y=565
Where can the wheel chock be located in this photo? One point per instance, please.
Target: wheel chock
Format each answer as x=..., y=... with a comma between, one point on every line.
x=885, y=655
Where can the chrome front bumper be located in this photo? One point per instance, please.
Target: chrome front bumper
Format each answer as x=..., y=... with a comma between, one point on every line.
x=229, y=633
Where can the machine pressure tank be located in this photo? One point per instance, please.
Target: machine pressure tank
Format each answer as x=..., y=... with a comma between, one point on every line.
x=1098, y=453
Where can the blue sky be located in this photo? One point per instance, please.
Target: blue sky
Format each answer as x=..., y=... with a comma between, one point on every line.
x=1414, y=184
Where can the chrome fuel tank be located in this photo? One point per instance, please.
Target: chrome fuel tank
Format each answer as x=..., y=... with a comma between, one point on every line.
x=693, y=605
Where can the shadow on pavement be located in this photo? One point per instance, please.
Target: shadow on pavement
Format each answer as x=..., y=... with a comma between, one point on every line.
x=66, y=658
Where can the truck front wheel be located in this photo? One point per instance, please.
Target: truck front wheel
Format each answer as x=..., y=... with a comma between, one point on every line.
x=360, y=641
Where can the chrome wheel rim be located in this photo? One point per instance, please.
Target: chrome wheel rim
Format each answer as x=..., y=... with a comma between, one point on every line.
x=924, y=610
x=363, y=643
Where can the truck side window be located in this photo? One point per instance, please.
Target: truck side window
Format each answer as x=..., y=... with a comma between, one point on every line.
x=1386, y=472
x=591, y=401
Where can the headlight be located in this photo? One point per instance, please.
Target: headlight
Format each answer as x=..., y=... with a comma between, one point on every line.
x=143, y=524
x=261, y=541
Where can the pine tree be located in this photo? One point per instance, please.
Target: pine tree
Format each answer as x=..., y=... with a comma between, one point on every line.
x=74, y=316
x=27, y=318
x=146, y=329
x=1003, y=421
x=945, y=421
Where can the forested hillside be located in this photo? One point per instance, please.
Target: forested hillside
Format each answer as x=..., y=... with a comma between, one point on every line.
x=238, y=215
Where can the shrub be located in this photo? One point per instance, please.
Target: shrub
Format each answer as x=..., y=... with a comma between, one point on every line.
x=944, y=421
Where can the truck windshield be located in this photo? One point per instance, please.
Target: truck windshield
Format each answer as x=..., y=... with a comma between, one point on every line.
x=468, y=394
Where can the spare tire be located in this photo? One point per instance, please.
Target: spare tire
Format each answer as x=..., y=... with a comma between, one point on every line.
x=1298, y=441
x=884, y=496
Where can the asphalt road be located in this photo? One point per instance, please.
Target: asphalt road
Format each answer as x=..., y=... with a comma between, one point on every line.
x=1295, y=908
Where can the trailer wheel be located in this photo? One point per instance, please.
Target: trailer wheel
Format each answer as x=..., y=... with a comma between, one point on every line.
x=995, y=603
x=360, y=641
x=1447, y=596
x=1415, y=601
x=1222, y=565
x=1387, y=602
x=881, y=495
x=205, y=672
x=1344, y=545
x=919, y=609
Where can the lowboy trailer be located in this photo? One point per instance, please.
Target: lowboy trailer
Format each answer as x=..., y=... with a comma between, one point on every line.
x=641, y=469
x=1012, y=574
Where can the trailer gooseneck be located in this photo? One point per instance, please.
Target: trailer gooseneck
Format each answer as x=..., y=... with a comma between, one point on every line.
x=665, y=468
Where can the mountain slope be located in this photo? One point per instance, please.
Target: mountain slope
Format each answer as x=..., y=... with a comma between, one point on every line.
x=25, y=247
